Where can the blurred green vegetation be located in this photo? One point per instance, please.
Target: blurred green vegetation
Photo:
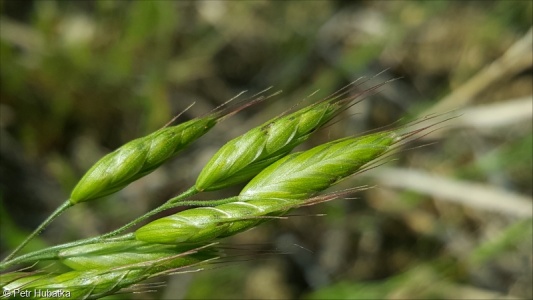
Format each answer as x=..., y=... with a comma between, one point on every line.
x=80, y=78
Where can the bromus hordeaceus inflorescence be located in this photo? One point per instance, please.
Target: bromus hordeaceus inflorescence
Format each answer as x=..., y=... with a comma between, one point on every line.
x=287, y=183
x=277, y=183
x=101, y=270
x=245, y=156
x=134, y=160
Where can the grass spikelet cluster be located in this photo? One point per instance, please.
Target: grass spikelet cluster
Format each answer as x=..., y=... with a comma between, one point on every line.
x=77, y=284
x=132, y=161
x=278, y=182
x=242, y=158
x=103, y=269
x=287, y=183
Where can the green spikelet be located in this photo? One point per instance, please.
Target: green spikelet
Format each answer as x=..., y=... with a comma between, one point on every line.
x=207, y=223
x=244, y=157
x=286, y=184
x=302, y=175
x=94, y=283
x=13, y=280
x=75, y=284
x=116, y=254
x=138, y=158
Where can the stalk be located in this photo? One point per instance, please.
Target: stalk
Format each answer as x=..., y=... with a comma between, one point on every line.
x=51, y=252
x=41, y=227
x=171, y=203
x=128, y=163
x=190, y=192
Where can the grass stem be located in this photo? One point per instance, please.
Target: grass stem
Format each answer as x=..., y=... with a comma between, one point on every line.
x=51, y=252
x=41, y=227
x=169, y=204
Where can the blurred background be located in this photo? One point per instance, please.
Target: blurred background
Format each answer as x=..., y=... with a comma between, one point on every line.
x=451, y=219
